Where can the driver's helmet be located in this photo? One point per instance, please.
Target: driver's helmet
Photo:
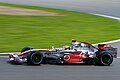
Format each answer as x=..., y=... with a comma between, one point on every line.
x=76, y=45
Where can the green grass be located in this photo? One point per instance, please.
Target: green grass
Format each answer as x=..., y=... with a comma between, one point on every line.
x=46, y=31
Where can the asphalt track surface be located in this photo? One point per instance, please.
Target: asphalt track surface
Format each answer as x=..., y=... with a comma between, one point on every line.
x=105, y=7
x=59, y=72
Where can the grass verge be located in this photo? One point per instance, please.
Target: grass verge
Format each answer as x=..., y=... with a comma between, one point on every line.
x=46, y=31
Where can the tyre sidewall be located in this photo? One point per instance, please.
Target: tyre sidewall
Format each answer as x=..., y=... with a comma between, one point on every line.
x=30, y=59
x=108, y=54
x=100, y=58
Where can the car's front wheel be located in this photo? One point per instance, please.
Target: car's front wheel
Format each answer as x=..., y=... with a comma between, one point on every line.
x=34, y=58
x=26, y=49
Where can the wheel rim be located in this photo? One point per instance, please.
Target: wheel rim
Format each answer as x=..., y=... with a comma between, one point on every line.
x=36, y=58
x=106, y=59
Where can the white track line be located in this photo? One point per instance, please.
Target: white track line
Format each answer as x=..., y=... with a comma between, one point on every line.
x=8, y=53
x=117, y=18
x=118, y=40
x=118, y=57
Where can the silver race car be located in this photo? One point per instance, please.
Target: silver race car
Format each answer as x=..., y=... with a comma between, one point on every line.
x=76, y=53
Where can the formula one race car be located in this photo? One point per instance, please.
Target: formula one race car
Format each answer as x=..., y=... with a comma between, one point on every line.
x=76, y=53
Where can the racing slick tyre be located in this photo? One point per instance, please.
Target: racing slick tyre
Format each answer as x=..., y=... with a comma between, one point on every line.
x=26, y=48
x=104, y=58
x=34, y=58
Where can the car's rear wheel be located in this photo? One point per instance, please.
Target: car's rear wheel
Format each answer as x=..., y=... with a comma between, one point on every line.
x=34, y=58
x=104, y=58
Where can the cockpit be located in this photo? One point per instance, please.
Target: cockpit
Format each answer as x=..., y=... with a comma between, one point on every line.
x=80, y=46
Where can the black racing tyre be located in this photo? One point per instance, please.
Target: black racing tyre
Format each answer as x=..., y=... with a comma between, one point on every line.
x=26, y=48
x=34, y=58
x=104, y=58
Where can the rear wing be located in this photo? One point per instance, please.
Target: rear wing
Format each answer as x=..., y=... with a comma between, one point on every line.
x=108, y=47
